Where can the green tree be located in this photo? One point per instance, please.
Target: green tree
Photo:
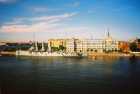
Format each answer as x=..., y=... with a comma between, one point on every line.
x=133, y=47
x=61, y=47
x=54, y=49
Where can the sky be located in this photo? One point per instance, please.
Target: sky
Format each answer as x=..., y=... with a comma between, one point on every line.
x=24, y=20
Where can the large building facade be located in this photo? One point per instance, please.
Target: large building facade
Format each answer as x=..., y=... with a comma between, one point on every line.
x=124, y=46
x=135, y=45
x=93, y=45
x=86, y=45
x=71, y=45
x=57, y=42
x=97, y=45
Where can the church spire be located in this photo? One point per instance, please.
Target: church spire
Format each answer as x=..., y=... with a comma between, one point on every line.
x=108, y=33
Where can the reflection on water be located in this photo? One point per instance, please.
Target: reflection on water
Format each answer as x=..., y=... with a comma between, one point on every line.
x=59, y=75
x=104, y=58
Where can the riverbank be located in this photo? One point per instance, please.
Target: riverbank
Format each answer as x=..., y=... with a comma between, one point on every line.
x=27, y=53
x=7, y=53
x=114, y=54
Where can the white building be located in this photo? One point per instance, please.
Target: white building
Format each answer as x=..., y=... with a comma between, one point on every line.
x=92, y=45
x=70, y=45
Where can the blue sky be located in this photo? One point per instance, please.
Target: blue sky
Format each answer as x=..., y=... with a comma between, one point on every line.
x=19, y=19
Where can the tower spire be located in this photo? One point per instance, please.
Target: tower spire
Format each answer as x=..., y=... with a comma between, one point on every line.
x=108, y=32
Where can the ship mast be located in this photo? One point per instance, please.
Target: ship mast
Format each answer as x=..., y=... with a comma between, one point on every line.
x=34, y=41
x=43, y=48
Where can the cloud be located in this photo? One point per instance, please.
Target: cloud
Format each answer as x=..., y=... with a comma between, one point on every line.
x=28, y=28
x=16, y=21
x=46, y=27
x=54, y=18
x=36, y=24
x=42, y=9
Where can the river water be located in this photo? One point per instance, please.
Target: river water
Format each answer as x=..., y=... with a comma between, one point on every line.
x=63, y=75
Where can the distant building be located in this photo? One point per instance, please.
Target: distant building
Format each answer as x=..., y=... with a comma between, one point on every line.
x=57, y=42
x=54, y=44
x=86, y=45
x=136, y=45
x=124, y=46
x=97, y=45
x=71, y=45
x=111, y=44
x=90, y=45
x=81, y=45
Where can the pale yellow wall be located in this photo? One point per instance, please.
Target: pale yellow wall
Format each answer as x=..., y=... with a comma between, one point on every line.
x=57, y=42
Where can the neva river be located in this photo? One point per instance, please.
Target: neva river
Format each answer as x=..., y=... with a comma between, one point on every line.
x=59, y=75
